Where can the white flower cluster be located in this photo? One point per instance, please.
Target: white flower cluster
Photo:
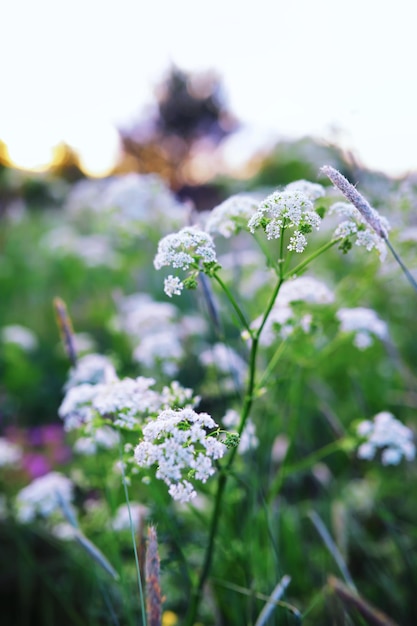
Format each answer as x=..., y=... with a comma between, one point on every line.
x=387, y=433
x=177, y=442
x=129, y=203
x=282, y=318
x=10, y=453
x=248, y=439
x=103, y=437
x=313, y=191
x=230, y=216
x=121, y=520
x=286, y=209
x=93, y=250
x=190, y=247
x=365, y=323
x=93, y=369
x=43, y=496
x=355, y=225
x=156, y=330
x=124, y=402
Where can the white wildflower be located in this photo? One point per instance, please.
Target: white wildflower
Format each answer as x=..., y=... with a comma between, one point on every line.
x=230, y=216
x=178, y=396
x=365, y=323
x=177, y=442
x=173, y=286
x=312, y=191
x=92, y=369
x=76, y=408
x=162, y=348
x=286, y=209
x=190, y=246
x=298, y=242
x=19, y=335
x=357, y=226
x=385, y=432
x=121, y=520
x=103, y=437
x=283, y=318
x=64, y=531
x=10, y=453
x=225, y=360
x=139, y=315
x=126, y=401
x=43, y=496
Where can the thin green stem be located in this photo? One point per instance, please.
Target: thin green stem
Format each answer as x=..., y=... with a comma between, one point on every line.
x=198, y=592
x=139, y=577
x=298, y=268
x=233, y=302
x=405, y=269
x=260, y=240
x=269, y=308
x=271, y=366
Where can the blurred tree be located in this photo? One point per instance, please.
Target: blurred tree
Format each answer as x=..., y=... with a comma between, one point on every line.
x=190, y=116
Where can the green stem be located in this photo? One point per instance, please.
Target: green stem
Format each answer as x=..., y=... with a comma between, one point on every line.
x=405, y=269
x=269, y=308
x=135, y=551
x=298, y=268
x=260, y=240
x=271, y=365
x=233, y=302
x=198, y=592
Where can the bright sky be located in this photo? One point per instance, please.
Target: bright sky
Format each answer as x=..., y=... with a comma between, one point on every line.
x=73, y=69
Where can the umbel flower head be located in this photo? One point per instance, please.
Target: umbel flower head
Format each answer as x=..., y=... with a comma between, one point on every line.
x=178, y=444
x=290, y=208
x=190, y=248
x=230, y=216
x=388, y=434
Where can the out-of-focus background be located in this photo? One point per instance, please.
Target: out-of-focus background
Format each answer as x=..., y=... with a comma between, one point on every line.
x=123, y=121
x=79, y=72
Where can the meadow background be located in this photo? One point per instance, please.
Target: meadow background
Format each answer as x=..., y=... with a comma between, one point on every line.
x=91, y=243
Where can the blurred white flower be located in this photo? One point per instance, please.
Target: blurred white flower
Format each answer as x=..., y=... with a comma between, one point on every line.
x=10, y=453
x=385, y=432
x=121, y=520
x=163, y=348
x=43, y=496
x=230, y=216
x=104, y=437
x=19, y=335
x=226, y=361
x=364, y=323
x=282, y=319
x=93, y=250
x=313, y=191
x=93, y=369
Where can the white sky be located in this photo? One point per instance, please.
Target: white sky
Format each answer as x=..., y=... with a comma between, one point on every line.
x=72, y=69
